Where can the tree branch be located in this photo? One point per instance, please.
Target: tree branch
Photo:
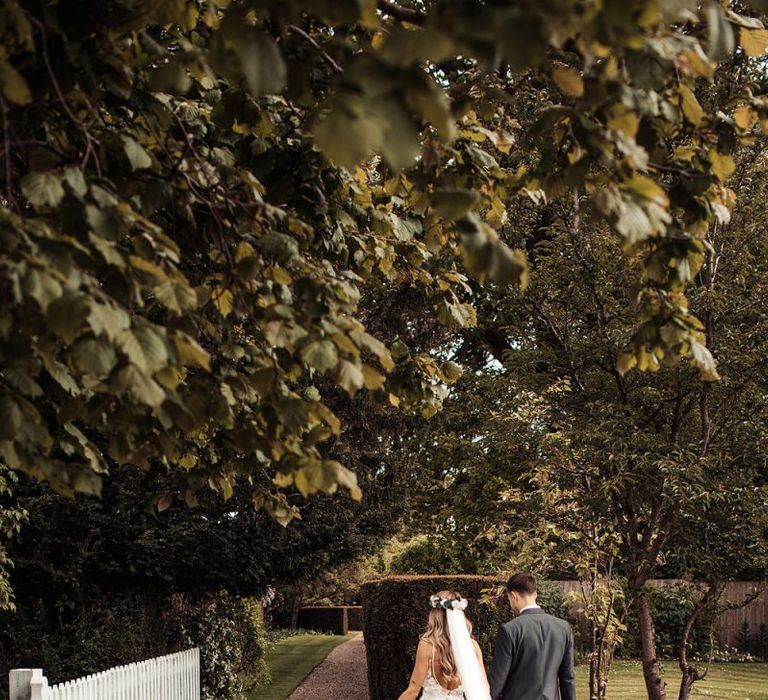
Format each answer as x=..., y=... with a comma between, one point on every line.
x=326, y=57
x=402, y=14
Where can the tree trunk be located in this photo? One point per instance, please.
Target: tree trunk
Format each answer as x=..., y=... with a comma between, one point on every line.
x=686, y=685
x=654, y=683
x=691, y=673
x=296, y=605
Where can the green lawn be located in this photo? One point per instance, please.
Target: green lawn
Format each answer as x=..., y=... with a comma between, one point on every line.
x=724, y=682
x=292, y=660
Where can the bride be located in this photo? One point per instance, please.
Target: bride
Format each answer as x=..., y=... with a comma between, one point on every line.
x=449, y=663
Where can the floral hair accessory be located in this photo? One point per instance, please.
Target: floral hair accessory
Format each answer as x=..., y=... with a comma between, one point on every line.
x=448, y=603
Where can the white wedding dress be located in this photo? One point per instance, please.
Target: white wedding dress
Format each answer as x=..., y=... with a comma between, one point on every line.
x=432, y=690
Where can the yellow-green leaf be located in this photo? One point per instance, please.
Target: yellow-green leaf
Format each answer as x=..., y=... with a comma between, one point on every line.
x=13, y=85
x=568, y=80
x=723, y=165
x=373, y=379
x=753, y=41
x=690, y=106
x=744, y=117
x=190, y=352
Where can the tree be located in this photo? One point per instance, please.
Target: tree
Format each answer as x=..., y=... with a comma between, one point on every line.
x=180, y=263
x=643, y=475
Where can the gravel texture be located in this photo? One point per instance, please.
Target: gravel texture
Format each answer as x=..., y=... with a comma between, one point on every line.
x=342, y=676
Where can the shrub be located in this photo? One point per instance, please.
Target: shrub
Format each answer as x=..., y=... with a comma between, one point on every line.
x=86, y=639
x=232, y=639
x=77, y=641
x=425, y=553
x=278, y=635
x=395, y=614
x=671, y=607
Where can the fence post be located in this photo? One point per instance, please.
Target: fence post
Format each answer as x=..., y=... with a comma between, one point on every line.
x=18, y=683
x=27, y=684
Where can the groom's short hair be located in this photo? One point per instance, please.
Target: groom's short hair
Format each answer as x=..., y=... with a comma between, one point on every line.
x=522, y=583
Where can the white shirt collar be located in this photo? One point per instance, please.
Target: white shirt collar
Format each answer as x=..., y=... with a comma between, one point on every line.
x=530, y=607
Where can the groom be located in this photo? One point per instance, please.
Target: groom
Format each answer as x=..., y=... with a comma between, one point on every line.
x=533, y=657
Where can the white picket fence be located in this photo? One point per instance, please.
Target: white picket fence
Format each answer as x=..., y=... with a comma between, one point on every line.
x=171, y=677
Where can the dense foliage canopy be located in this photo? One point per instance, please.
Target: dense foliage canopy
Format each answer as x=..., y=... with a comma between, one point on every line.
x=181, y=266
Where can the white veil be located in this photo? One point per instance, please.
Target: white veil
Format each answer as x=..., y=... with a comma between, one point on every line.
x=472, y=678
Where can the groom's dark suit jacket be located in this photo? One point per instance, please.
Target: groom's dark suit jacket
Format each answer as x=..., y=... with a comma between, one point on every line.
x=533, y=659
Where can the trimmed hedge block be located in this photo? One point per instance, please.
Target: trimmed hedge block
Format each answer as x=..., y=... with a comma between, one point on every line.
x=331, y=620
x=355, y=618
x=395, y=611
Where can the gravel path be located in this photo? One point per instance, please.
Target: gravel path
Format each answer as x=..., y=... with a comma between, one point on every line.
x=342, y=676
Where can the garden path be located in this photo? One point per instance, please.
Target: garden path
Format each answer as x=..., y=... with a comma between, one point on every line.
x=342, y=676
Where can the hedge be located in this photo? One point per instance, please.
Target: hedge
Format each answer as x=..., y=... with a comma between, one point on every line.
x=355, y=618
x=395, y=613
x=324, y=618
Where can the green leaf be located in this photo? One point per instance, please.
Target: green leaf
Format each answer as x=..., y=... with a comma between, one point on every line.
x=406, y=47
x=521, y=38
x=190, y=352
x=66, y=316
x=93, y=357
x=430, y=102
x=42, y=287
x=14, y=87
x=131, y=380
x=240, y=48
x=22, y=382
x=452, y=371
x=176, y=294
x=350, y=377
x=401, y=138
x=320, y=354
x=108, y=320
x=348, y=138
x=75, y=178
x=42, y=190
x=11, y=417
x=454, y=204
x=144, y=347
x=325, y=476
x=280, y=246
x=721, y=36
x=137, y=156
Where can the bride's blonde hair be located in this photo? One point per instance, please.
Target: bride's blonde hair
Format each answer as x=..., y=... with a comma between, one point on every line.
x=437, y=634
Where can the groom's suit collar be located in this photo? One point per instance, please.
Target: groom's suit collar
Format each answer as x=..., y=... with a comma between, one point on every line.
x=532, y=610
